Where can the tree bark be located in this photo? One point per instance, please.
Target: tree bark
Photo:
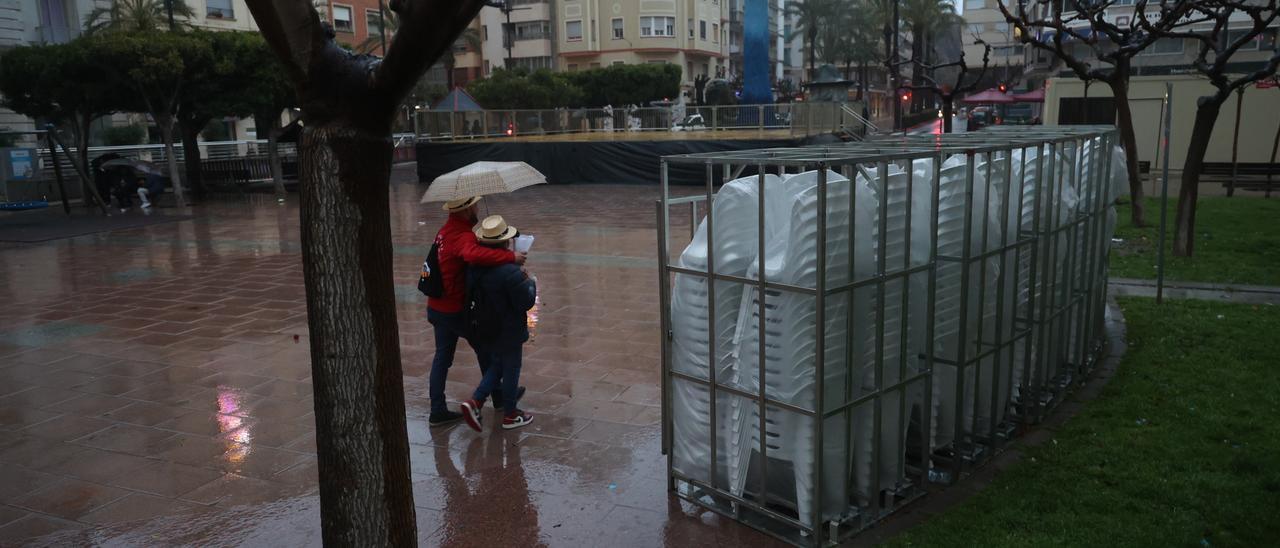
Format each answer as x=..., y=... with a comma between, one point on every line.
x=355, y=344
x=1201, y=133
x=1124, y=120
x=166, y=133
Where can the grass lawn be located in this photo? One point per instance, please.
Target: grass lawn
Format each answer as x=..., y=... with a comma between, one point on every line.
x=1182, y=448
x=1237, y=241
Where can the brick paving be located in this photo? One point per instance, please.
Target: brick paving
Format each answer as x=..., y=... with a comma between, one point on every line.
x=155, y=386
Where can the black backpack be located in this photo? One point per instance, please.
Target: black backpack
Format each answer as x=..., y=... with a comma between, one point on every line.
x=431, y=282
x=481, y=318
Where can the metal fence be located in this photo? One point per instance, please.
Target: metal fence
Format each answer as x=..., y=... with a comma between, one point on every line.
x=800, y=119
x=847, y=323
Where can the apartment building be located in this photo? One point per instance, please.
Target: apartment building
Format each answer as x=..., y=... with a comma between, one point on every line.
x=984, y=21
x=687, y=33
x=522, y=35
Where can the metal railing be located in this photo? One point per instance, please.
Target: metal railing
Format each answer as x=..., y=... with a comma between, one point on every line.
x=799, y=119
x=848, y=323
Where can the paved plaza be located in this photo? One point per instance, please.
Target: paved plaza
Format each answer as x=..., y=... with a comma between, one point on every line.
x=155, y=386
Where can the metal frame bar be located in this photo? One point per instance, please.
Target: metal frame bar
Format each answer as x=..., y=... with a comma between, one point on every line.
x=1054, y=334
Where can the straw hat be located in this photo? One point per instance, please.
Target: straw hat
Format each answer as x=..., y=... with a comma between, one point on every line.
x=461, y=203
x=494, y=229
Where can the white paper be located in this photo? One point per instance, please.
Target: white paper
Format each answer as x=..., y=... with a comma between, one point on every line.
x=523, y=243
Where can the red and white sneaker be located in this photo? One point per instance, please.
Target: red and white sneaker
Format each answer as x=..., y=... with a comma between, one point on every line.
x=471, y=412
x=516, y=420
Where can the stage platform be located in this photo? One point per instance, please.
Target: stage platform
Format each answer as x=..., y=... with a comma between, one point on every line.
x=598, y=157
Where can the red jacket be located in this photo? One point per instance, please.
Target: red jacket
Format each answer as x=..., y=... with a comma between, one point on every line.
x=458, y=248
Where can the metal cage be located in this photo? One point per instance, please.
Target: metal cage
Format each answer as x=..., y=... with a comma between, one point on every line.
x=846, y=323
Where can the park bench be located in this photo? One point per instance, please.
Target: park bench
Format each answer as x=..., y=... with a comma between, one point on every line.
x=244, y=172
x=1257, y=176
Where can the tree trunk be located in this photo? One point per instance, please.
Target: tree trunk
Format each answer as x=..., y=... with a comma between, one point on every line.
x=166, y=132
x=1185, y=222
x=1124, y=121
x=355, y=345
x=191, y=155
x=272, y=123
x=862, y=82
x=88, y=189
x=917, y=52
x=946, y=113
x=449, y=62
x=812, y=36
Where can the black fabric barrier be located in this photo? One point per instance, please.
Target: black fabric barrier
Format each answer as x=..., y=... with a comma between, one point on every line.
x=563, y=162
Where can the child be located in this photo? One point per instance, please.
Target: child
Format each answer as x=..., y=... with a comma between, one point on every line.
x=497, y=301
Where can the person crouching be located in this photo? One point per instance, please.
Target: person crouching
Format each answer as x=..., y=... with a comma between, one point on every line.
x=495, y=316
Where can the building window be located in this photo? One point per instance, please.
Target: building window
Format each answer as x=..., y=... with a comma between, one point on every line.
x=595, y=65
x=484, y=33
x=573, y=67
x=616, y=63
x=531, y=63
x=690, y=28
x=618, y=33
x=219, y=9
x=706, y=69
x=1164, y=46
x=573, y=30
x=657, y=26
x=1265, y=41
x=342, y=18
x=656, y=62
x=974, y=4
x=486, y=67
x=534, y=30
x=373, y=22
x=715, y=33
x=702, y=30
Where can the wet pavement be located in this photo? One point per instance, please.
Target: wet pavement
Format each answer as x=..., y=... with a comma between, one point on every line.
x=155, y=386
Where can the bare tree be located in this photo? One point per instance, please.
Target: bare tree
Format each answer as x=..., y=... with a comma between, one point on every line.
x=1112, y=44
x=947, y=92
x=348, y=106
x=1212, y=61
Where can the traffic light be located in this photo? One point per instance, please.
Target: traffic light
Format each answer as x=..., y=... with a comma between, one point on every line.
x=1003, y=87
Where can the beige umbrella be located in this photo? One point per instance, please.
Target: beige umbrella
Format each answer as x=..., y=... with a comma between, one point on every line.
x=481, y=178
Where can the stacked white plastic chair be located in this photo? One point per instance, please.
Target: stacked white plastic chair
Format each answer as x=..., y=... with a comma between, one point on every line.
x=735, y=217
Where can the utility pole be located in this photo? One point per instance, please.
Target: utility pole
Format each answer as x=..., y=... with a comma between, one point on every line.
x=893, y=64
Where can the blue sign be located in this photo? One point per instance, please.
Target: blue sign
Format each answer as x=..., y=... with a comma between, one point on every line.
x=20, y=162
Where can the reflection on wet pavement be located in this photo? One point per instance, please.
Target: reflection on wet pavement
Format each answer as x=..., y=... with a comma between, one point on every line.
x=155, y=386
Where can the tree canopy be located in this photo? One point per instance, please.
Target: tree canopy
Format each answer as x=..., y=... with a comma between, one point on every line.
x=520, y=89
x=542, y=89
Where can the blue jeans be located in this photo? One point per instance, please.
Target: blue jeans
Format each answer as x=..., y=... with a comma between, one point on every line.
x=501, y=377
x=447, y=328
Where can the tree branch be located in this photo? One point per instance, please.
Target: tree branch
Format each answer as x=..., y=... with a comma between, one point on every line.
x=418, y=43
x=293, y=29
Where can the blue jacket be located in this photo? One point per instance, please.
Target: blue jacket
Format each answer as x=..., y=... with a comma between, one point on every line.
x=510, y=292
